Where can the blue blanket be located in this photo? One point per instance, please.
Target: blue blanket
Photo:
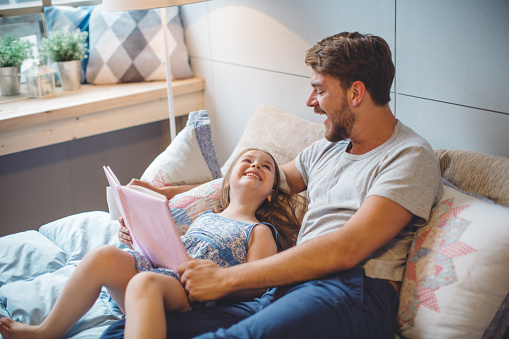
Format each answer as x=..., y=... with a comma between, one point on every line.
x=34, y=267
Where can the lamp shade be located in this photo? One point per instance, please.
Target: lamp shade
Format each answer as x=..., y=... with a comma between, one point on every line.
x=132, y=5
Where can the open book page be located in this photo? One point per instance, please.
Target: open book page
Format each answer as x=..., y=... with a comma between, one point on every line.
x=147, y=216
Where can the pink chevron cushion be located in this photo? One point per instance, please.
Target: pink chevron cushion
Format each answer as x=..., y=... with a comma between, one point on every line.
x=187, y=206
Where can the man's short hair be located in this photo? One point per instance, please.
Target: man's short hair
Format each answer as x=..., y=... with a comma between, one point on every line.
x=352, y=57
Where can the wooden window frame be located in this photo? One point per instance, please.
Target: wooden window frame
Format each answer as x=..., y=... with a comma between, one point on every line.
x=36, y=7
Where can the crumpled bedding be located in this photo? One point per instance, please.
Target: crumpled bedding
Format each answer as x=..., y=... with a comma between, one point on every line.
x=34, y=266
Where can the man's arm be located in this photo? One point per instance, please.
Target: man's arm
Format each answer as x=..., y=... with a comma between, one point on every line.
x=293, y=177
x=376, y=222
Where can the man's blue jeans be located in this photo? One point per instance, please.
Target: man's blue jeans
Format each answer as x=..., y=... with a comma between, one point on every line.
x=346, y=305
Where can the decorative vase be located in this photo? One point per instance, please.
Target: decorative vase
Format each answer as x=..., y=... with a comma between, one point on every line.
x=9, y=80
x=40, y=80
x=70, y=74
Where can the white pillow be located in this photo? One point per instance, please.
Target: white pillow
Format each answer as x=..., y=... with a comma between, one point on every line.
x=189, y=159
x=456, y=275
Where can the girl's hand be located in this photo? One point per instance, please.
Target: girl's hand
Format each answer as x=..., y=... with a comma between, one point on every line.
x=123, y=233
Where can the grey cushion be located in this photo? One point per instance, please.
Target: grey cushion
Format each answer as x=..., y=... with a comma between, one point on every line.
x=129, y=47
x=277, y=132
x=499, y=326
x=487, y=175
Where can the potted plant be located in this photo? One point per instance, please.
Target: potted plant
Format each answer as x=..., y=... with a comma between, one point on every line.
x=13, y=51
x=67, y=48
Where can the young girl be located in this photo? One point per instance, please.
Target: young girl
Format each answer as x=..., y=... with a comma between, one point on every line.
x=253, y=202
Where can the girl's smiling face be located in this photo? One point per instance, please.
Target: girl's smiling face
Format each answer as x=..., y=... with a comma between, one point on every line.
x=256, y=170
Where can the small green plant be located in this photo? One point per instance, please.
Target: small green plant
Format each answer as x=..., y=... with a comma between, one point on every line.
x=64, y=45
x=13, y=51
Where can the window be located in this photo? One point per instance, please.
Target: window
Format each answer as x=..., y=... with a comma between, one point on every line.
x=24, y=7
x=24, y=19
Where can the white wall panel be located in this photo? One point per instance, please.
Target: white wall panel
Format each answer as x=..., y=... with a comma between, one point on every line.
x=236, y=100
x=456, y=127
x=197, y=29
x=454, y=51
x=274, y=35
x=256, y=53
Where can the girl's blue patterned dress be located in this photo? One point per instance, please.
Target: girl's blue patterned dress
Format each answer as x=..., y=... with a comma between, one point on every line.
x=211, y=236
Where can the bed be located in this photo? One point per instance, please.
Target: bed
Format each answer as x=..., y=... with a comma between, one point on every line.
x=34, y=265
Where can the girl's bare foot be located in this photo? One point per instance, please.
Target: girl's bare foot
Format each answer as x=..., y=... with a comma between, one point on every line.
x=5, y=325
x=10, y=329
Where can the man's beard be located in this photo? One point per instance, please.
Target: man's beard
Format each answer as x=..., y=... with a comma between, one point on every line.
x=341, y=126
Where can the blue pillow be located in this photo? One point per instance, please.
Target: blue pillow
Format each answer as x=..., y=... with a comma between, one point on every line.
x=79, y=233
x=72, y=17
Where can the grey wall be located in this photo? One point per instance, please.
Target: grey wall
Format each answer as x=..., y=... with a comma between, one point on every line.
x=451, y=86
x=44, y=184
x=451, y=57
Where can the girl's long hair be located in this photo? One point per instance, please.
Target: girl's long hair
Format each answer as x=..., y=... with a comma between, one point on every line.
x=284, y=210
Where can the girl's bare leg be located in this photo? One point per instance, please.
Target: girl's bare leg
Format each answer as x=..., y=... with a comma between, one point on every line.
x=105, y=266
x=148, y=297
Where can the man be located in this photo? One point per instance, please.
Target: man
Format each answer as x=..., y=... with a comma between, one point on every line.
x=369, y=183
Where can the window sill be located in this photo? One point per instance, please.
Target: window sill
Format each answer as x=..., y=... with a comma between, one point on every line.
x=27, y=123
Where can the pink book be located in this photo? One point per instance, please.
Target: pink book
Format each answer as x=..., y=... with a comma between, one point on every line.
x=147, y=216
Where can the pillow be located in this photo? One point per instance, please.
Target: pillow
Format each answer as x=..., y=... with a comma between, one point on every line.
x=188, y=206
x=456, y=275
x=29, y=291
x=67, y=16
x=189, y=159
x=128, y=46
x=30, y=301
x=71, y=17
x=79, y=233
x=16, y=250
x=281, y=134
x=499, y=326
x=482, y=173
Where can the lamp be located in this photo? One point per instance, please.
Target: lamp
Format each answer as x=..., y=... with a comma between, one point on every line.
x=132, y=5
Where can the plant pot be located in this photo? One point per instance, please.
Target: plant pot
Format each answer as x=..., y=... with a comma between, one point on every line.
x=70, y=74
x=9, y=80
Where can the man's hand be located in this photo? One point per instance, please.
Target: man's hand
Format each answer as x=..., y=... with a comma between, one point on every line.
x=203, y=280
x=142, y=183
x=168, y=191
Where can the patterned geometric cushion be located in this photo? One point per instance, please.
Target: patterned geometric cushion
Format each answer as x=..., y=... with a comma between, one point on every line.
x=189, y=159
x=71, y=17
x=456, y=275
x=128, y=46
x=188, y=206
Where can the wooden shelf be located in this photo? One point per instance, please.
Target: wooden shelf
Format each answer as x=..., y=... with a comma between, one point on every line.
x=27, y=123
